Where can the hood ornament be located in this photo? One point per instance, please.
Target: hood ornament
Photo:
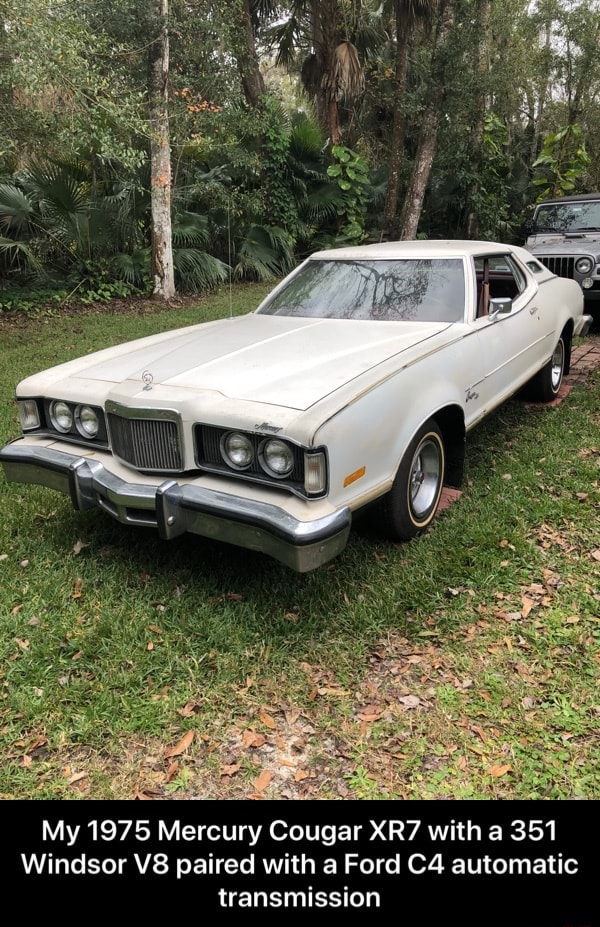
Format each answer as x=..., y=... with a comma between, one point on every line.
x=148, y=379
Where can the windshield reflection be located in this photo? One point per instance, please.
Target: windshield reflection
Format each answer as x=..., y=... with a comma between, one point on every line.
x=423, y=290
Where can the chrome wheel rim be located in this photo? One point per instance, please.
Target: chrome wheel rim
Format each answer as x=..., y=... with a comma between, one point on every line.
x=424, y=479
x=556, y=365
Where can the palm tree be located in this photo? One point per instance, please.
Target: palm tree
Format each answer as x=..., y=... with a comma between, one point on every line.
x=407, y=14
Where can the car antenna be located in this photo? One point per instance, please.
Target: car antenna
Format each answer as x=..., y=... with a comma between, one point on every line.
x=229, y=255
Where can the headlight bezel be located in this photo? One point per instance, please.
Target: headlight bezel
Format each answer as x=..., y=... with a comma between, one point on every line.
x=54, y=416
x=227, y=436
x=48, y=426
x=209, y=459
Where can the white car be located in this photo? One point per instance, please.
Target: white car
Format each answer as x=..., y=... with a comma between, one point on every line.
x=356, y=380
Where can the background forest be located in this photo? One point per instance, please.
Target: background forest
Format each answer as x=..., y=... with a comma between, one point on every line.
x=152, y=144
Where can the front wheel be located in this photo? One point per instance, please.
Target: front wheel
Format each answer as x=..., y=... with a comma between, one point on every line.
x=546, y=383
x=413, y=499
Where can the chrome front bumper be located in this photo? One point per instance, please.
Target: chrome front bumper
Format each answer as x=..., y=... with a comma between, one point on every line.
x=174, y=508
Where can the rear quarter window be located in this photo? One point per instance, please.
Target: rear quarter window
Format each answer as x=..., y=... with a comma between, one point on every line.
x=535, y=267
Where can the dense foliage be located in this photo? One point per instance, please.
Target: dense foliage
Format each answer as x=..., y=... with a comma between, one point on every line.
x=293, y=126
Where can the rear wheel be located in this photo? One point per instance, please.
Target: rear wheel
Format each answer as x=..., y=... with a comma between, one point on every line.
x=546, y=383
x=413, y=499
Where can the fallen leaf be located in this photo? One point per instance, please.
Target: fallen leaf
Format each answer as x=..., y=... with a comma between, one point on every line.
x=263, y=780
x=230, y=770
x=301, y=774
x=37, y=691
x=155, y=628
x=22, y=643
x=498, y=771
x=78, y=546
x=77, y=777
x=582, y=496
x=527, y=702
x=172, y=771
x=17, y=609
x=181, y=746
x=410, y=701
x=34, y=621
x=596, y=555
x=24, y=564
x=573, y=619
x=26, y=762
x=76, y=594
x=253, y=739
x=188, y=710
x=462, y=762
x=149, y=646
x=292, y=715
x=291, y=616
x=3, y=557
x=527, y=604
x=506, y=476
x=234, y=596
x=266, y=719
x=503, y=544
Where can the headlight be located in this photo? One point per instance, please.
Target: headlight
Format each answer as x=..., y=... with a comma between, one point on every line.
x=87, y=421
x=584, y=265
x=28, y=413
x=237, y=450
x=61, y=416
x=277, y=458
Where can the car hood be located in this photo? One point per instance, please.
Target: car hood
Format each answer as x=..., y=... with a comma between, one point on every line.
x=565, y=244
x=281, y=361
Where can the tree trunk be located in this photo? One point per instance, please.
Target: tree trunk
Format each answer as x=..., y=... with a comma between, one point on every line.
x=327, y=10
x=253, y=84
x=430, y=122
x=403, y=35
x=160, y=152
x=483, y=24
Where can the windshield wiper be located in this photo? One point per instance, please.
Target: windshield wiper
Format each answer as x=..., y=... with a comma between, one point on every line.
x=546, y=228
x=588, y=228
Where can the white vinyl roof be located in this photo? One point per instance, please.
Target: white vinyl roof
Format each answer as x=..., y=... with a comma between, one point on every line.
x=390, y=250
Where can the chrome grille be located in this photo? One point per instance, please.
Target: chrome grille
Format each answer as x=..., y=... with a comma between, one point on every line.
x=561, y=265
x=145, y=443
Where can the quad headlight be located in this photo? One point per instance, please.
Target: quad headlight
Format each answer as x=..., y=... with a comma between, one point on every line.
x=277, y=458
x=87, y=421
x=61, y=416
x=237, y=450
x=584, y=265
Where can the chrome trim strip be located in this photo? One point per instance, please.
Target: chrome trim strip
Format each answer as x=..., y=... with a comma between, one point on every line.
x=175, y=509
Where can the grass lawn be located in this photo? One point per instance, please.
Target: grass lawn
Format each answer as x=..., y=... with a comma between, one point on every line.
x=462, y=665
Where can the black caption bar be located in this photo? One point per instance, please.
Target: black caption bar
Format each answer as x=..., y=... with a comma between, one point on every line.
x=463, y=863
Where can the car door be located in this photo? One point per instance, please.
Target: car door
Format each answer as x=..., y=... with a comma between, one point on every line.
x=511, y=347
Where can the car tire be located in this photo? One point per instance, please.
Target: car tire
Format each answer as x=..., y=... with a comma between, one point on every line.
x=409, y=507
x=545, y=385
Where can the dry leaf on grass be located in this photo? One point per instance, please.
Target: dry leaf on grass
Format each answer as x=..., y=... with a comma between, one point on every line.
x=76, y=594
x=181, y=746
x=498, y=771
x=78, y=546
x=266, y=719
x=301, y=774
x=263, y=780
x=253, y=739
x=527, y=604
x=230, y=770
x=596, y=555
x=77, y=777
x=188, y=710
x=410, y=701
x=172, y=771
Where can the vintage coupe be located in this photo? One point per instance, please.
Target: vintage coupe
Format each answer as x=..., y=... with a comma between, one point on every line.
x=354, y=382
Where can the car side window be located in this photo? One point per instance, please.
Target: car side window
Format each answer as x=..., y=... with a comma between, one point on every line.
x=497, y=276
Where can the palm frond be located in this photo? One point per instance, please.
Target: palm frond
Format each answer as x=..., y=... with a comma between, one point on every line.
x=190, y=230
x=263, y=253
x=16, y=208
x=20, y=255
x=347, y=78
x=133, y=268
x=196, y=270
x=59, y=193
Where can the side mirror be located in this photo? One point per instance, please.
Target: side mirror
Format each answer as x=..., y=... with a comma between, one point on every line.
x=527, y=228
x=500, y=306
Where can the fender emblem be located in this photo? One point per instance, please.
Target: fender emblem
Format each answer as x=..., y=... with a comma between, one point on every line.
x=471, y=395
x=148, y=379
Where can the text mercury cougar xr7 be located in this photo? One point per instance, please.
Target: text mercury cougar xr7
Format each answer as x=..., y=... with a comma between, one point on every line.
x=354, y=381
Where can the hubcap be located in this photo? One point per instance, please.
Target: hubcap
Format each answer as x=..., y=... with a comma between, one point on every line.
x=557, y=365
x=424, y=478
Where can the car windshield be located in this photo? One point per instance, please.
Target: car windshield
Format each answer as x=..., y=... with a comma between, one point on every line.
x=420, y=290
x=568, y=217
